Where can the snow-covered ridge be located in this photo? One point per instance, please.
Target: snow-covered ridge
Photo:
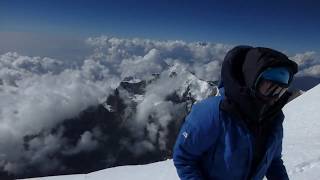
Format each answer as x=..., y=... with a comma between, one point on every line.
x=301, y=148
x=156, y=171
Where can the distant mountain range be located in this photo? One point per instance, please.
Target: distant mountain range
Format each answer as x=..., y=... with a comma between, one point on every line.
x=109, y=122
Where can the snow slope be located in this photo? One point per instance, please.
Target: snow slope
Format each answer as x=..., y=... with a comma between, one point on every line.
x=156, y=171
x=301, y=148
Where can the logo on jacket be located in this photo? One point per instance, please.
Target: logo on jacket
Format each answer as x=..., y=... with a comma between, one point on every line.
x=185, y=135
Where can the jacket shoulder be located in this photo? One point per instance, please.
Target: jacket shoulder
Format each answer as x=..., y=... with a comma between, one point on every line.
x=205, y=114
x=200, y=129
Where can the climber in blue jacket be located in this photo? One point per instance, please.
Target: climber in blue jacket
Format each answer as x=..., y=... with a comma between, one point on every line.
x=238, y=134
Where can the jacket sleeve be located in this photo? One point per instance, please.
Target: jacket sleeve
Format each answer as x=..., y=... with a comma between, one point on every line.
x=277, y=170
x=193, y=140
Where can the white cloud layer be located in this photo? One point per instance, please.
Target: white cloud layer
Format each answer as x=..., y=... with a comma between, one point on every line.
x=309, y=64
x=140, y=57
x=36, y=95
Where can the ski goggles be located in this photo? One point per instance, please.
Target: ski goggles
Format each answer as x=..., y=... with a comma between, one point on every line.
x=272, y=89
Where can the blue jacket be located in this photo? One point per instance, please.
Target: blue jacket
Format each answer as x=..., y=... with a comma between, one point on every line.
x=212, y=145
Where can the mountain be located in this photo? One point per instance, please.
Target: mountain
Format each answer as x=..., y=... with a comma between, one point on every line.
x=300, y=148
x=137, y=124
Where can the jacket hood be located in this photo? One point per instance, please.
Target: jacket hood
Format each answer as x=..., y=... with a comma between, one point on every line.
x=240, y=69
x=258, y=59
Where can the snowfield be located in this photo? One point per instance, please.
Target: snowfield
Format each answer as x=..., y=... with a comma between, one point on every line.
x=301, y=148
x=156, y=171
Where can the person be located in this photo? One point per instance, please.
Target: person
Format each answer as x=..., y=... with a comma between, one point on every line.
x=238, y=134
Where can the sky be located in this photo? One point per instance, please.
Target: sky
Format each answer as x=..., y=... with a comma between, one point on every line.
x=290, y=26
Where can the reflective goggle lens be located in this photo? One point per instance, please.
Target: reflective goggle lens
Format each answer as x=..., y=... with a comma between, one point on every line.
x=271, y=89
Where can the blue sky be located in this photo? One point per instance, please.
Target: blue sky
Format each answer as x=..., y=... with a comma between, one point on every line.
x=292, y=26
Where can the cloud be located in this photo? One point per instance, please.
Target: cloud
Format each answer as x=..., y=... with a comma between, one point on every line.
x=39, y=150
x=85, y=143
x=304, y=58
x=15, y=67
x=150, y=62
x=313, y=71
x=208, y=71
x=142, y=57
x=309, y=64
x=37, y=94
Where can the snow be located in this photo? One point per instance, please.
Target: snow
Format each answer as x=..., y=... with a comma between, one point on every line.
x=156, y=171
x=301, y=144
x=107, y=107
x=199, y=89
x=301, y=148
